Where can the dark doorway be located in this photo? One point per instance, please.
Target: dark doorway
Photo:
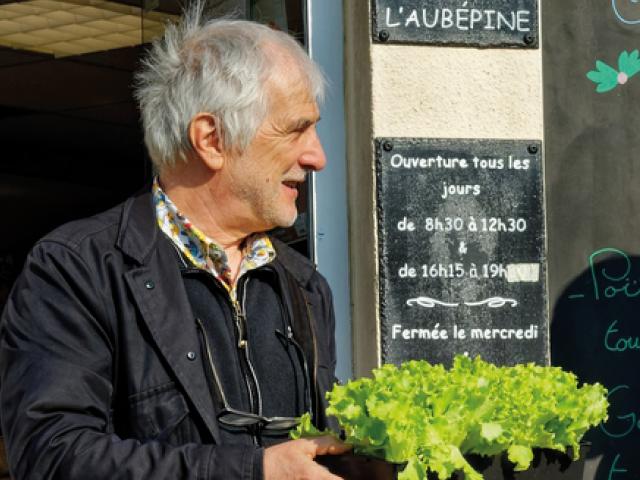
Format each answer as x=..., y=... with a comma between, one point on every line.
x=69, y=129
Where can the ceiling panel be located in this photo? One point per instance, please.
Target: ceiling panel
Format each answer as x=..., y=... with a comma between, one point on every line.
x=72, y=27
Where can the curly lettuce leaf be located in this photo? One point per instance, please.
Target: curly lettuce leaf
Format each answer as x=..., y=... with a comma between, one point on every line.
x=307, y=429
x=428, y=417
x=521, y=456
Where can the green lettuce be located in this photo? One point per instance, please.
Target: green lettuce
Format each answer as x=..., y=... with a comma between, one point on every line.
x=429, y=417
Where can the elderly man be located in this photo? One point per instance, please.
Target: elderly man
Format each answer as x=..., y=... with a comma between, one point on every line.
x=169, y=337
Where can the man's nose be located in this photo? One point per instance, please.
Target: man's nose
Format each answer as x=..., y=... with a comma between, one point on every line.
x=313, y=157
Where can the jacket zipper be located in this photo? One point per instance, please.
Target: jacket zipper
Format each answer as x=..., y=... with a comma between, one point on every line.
x=241, y=343
x=243, y=346
x=239, y=309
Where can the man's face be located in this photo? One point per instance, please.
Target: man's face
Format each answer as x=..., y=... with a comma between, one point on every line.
x=266, y=176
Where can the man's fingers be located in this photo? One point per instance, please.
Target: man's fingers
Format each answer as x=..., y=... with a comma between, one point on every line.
x=293, y=459
x=322, y=473
x=328, y=445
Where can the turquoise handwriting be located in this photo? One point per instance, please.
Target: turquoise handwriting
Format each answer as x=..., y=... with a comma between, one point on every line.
x=623, y=285
x=614, y=468
x=629, y=421
x=621, y=344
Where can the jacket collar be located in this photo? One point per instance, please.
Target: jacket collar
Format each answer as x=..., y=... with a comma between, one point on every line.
x=138, y=233
x=138, y=236
x=298, y=265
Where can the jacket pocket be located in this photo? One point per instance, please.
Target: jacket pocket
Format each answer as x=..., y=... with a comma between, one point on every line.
x=160, y=413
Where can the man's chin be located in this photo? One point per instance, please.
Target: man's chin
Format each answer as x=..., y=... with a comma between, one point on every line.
x=274, y=219
x=287, y=219
x=289, y=222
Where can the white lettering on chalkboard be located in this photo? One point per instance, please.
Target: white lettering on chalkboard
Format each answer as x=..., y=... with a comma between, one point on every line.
x=463, y=19
x=461, y=221
x=450, y=190
x=435, y=333
x=398, y=161
x=438, y=333
x=488, y=163
x=472, y=224
x=459, y=270
x=530, y=333
x=512, y=163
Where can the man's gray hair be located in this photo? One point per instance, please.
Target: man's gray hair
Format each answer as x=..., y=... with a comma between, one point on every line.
x=216, y=66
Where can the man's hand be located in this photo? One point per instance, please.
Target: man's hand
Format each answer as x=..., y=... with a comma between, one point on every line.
x=293, y=460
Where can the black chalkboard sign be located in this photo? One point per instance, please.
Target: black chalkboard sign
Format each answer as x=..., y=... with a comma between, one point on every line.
x=461, y=250
x=592, y=89
x=481, y=23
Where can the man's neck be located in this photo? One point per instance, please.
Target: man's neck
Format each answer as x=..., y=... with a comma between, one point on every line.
x=197, y=202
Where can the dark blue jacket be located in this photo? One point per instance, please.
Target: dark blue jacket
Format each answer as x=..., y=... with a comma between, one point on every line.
x=97, y=373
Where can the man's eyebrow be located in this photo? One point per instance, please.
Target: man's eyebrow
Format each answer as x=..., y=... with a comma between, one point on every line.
x=302, y=124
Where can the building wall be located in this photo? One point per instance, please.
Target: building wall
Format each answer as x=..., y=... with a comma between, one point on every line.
x=419, y=91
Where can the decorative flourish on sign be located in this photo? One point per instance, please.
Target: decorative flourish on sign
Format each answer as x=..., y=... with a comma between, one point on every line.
x=428, y=302
x=607, y=78
x=493, y=302
x=621, y=17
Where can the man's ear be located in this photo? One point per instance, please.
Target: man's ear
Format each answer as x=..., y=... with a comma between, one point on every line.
x=205, y=140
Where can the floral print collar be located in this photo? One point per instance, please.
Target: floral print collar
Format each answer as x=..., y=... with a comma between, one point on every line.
x=201, y=250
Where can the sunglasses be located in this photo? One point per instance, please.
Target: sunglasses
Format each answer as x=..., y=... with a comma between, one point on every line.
x=240, y=419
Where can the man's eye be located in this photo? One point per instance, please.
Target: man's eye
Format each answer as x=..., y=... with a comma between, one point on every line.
x=296, y=132
x=301, y=127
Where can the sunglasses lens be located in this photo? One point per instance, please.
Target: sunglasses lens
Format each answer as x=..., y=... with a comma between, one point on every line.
x=240, y=419
x=246, y=419
x=281, y=423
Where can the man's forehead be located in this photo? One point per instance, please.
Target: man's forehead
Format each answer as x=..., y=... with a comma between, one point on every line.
x=289, y=95
x=283, y=91
x=288, y=88
x=287, y=73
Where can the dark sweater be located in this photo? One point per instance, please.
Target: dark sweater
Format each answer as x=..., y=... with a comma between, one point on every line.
x=270, y=379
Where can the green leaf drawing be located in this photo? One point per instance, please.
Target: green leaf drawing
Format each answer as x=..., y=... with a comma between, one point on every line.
x=629, y=63
x=607, y=78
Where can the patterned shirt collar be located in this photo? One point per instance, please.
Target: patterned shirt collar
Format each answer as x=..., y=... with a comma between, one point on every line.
x=201, y=250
